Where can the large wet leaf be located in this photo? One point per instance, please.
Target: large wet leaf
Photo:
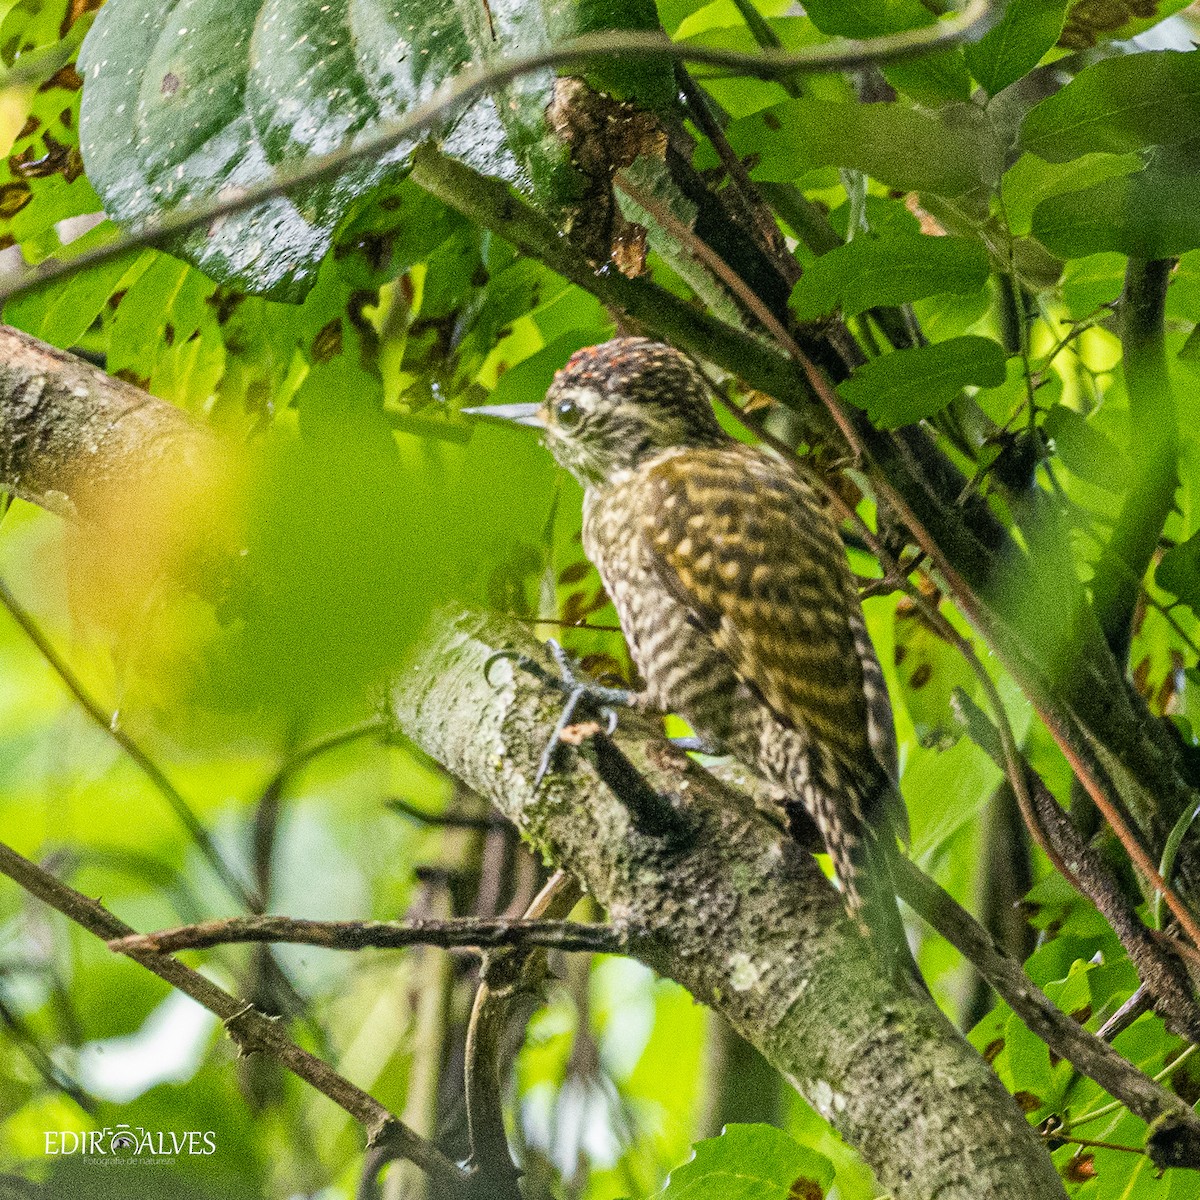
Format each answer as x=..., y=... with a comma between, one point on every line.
x=186, y=101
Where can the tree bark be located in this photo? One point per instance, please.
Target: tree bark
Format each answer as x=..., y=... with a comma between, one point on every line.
x=713, y=894
x=728, y=905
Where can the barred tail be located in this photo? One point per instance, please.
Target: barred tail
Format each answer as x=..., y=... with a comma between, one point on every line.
x=860, y=834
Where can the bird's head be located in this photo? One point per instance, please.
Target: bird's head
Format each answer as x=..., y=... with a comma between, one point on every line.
x=614, y=405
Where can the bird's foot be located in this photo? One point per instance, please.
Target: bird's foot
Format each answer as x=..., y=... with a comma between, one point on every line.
x=604, y=700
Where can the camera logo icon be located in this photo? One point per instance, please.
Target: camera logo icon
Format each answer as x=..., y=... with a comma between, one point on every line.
x=122, y=1142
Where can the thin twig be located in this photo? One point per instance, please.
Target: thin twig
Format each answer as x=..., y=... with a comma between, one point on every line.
x=107, y=722
x=704, y=253
x=1161, y=1077
x=1158, y=969
x=1138, y=1004
x=1011, y=762
x=700, y=106
x=250, y=1029
x=444, y=820
x=1054, y=1135
x=1093, y=777
x=454, y=933
x=479, y=80
x=267, y=807
x=51, y=1073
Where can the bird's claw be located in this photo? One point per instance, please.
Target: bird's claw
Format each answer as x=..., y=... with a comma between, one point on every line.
x=522, y=660
x=696, y=745
x=604, y=699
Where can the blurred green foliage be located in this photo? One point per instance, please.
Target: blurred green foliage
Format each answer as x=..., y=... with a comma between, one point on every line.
x=364, y=501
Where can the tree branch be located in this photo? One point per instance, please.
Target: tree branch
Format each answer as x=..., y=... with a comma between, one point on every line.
x=508, y=977
x=249, y=1029
x=1152, y=454
x=1173, y=1138
x=457, y=933
x=1158, y=969
x=738, y=914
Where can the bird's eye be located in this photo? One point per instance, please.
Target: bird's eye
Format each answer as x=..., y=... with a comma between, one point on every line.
x=567, y=413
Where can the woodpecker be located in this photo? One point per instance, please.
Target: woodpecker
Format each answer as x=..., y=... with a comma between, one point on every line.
x=736, y=599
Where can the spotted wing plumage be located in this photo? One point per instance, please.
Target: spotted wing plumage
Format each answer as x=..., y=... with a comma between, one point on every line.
x=742, y=542
x=739, y=540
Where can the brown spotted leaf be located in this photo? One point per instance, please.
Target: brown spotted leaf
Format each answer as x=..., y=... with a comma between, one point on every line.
x=929, y=669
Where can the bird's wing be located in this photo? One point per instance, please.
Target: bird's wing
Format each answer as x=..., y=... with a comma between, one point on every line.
x=742, y=543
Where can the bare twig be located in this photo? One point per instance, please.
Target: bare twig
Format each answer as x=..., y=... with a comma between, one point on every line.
x=269, y=800
x=704, y=253
x=448, y=820
x=464, y=933
x=249, y=1029
x=1138, y=1004
x=51, y=1073
x=1158, y=969
x=700, y=106
x=1161, y=1077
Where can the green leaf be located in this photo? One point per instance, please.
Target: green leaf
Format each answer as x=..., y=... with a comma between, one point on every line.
x=1154, y=213
x=41, y=174
x=1085, y=450
x=930, y=670
x=870, y=271
x=178, y=109
x=907, y=385
x=1190, y=350
x=949, y=153
x=62, y=313
x=1118, y=105
x=1016, y=43
x=750, y=1162
x=528, y=380
x=1030, y=180
x=1179, y=572
x=1089, y=282
x=932, y=78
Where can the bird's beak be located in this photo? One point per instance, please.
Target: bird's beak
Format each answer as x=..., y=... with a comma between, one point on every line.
x=518, y=414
